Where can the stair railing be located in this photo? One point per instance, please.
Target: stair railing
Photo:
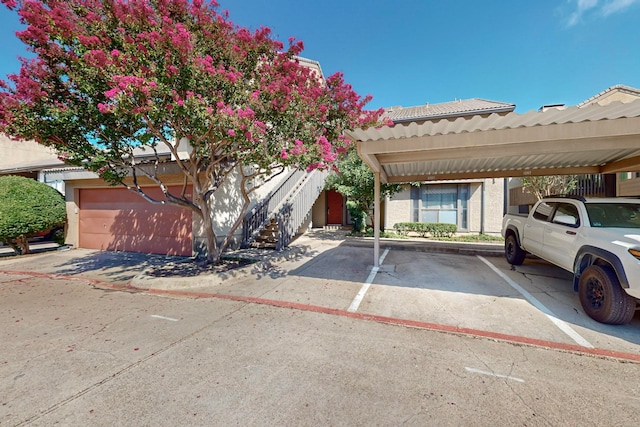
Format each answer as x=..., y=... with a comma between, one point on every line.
x=258, y=217
x=297, y=207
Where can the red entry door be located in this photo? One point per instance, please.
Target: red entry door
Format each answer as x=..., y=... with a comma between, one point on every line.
x=334, y=208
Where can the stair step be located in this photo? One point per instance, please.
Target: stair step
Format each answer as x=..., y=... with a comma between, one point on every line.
x=263, y=245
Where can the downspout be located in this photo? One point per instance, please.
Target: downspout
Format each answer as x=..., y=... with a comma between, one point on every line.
x=482, y=205
x=505, y=197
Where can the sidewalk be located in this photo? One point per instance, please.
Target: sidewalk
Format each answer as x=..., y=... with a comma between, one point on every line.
x=150, y=271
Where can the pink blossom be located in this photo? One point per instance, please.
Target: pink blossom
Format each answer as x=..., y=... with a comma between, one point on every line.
x=231, y=132
x=104, y=108
x=112, y=93
x=283, y=154
x=172, y=70
x=260, y=125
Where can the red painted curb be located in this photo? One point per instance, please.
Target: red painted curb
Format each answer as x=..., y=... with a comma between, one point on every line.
x=514, y=339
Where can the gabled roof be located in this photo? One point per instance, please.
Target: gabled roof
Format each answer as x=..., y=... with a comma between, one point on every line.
x=31, y=166
x=445, y=110
x=627, y=93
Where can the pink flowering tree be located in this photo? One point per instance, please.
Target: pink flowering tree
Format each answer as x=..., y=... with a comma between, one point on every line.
x=108, y=77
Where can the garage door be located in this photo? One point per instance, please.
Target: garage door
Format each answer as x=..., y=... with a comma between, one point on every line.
x=117, y=219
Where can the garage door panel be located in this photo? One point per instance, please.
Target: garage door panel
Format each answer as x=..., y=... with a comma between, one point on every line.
x=118, y=219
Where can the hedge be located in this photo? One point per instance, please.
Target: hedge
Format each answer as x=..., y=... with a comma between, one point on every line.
x=26, y=208
x=426, y=229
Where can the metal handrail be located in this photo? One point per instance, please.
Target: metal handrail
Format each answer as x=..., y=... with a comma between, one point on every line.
x=258, y=217
x=297, y=208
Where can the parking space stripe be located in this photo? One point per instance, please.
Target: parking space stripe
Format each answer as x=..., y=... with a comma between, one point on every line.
x=458, y=330
x=506, y=377
x=157, y=316
x=365, y=287
x=537, y=304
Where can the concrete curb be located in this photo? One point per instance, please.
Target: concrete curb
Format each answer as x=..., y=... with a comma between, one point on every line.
x=458, y=248
x=435, y=327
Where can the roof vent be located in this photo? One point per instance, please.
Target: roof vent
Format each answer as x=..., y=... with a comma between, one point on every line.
x=552, y=107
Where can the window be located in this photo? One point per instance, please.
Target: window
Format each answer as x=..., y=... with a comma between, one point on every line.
x=542, y=211
x=566, y=214
x=443, y=203
x=629, y=175
x=618, y=215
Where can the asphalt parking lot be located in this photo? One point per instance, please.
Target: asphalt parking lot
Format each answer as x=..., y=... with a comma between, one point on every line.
x=474, y=288
x=316, y=337
x=535, y=300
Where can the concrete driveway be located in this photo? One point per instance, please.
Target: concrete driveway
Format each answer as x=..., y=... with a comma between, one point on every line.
x=458, y=288
x=475, y=293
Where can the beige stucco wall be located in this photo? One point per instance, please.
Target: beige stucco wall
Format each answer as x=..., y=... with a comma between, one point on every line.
x=494, y=205
x=399, y=206
x=628, y=187
x=319, y=211
x=13, y=153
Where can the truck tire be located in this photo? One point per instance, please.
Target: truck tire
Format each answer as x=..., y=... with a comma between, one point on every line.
x=602, y=297
x=512, y=251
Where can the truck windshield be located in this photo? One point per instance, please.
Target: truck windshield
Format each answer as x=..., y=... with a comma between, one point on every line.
x=618, y=215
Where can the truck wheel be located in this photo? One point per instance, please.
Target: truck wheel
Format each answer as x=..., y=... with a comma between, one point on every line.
x=602, y=297
x=512, y=251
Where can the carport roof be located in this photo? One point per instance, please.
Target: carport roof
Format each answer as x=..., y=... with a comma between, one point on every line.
x=591, y=139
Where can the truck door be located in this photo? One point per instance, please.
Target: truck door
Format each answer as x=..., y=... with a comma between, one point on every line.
x=534, y=227
x=560, y=235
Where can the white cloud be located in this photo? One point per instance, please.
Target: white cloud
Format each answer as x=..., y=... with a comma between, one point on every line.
x=596, y=8
x=582, y=7
x=613, y=6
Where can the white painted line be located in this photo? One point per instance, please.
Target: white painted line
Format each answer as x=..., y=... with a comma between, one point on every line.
x=365, y=287
x=537, y=304
x=506, y=377
x=164, y=318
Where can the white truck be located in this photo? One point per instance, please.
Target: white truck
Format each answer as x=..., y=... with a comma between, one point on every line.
x=597, y=239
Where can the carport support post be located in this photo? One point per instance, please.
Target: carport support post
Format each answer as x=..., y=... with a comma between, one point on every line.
x=376, y=219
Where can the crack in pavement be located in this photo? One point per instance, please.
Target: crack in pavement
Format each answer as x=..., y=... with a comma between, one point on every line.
x=126, y=369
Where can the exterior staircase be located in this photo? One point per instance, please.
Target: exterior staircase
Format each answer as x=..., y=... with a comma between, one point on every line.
x=267, y=238
x=274, y=222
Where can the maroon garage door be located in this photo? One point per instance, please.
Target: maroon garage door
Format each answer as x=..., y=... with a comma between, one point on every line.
x=116, y=219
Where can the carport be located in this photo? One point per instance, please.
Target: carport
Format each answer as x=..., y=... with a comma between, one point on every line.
x=588, y=140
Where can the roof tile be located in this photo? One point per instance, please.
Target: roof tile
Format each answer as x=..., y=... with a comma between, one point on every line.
x=457, y=108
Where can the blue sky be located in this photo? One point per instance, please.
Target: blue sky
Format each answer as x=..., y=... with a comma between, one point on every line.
x=410, y=52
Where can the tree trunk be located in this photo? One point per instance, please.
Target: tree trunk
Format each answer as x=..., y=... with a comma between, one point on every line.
x=213, y=252
x=20, y=245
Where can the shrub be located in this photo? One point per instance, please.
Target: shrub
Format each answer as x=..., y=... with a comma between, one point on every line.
x=28, y=207
x=426, y=229
x=357, y=216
